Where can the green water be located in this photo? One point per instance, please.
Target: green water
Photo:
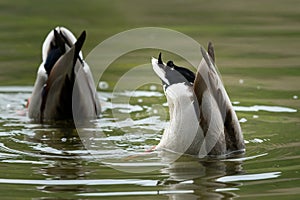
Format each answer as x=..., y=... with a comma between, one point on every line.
x=257, y=52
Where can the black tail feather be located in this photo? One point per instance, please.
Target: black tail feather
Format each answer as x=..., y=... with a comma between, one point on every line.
x=59, y=42
x=78, y=46
x=159, y=59
x=67, y=41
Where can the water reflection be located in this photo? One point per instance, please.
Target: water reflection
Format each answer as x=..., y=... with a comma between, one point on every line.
x=200, y=176
x=63, y=170
x=59, y=143
x=51, y=159
x=187, y=178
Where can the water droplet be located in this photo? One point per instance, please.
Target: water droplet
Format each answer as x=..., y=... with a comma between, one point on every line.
x=153, y=87
x=257, y=140
x=103, y=85
x=242, y=120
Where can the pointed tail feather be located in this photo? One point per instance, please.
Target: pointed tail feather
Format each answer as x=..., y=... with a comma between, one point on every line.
x=59, y=41
x=211, y=51
x=78, y=45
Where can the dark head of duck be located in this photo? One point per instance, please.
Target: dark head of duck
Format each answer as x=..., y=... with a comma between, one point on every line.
x=176, y=74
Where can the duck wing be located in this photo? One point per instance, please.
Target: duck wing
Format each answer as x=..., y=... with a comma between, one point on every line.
x=217, y=117
x=86, y=104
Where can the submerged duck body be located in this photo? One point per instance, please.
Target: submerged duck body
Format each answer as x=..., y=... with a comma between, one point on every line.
x=202, y=119
x=62, y=76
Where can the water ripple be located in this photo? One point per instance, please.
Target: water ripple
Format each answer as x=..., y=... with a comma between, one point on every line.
x=249, y=177
x=257, y=108
x=82, y=182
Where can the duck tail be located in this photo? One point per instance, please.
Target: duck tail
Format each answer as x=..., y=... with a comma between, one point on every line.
x=78, y=45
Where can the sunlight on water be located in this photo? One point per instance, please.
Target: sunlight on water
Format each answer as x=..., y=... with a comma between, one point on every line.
x=81, y=182
x=257, y=108
x=249, y=177
x=137, y=193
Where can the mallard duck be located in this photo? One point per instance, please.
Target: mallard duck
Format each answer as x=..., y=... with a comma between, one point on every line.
x=62, y=76
x=202, y=119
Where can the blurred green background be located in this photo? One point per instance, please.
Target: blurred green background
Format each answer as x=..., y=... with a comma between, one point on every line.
x=253, y=36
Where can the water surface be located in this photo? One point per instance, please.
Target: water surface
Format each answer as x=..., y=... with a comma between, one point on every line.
x=49, y=160
x=257, y=52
